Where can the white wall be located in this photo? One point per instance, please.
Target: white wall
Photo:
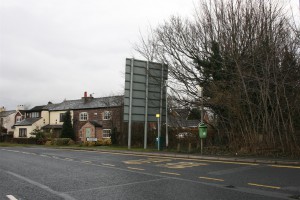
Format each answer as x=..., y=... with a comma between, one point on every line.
x=38, y=124
x=55, y=117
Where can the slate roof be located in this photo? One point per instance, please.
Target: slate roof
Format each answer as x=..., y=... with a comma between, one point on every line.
x=7, y=113
x=37, y=108
x=27, y=121
x=88, y=103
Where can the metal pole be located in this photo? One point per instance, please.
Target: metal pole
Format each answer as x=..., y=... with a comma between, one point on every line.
x=201, y=96
x=167, y=134
x=161, y=102
x=130, y=104
x=146, y=107
x=201, y=146
x=158, y=133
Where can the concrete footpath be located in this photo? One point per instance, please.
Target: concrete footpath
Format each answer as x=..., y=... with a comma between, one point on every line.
x=246, y=159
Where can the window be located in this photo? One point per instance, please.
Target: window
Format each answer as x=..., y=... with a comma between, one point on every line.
x=83, y=116
x=62, y=117
x=22, y=132
x=34, y=114
x=19, y=118
x=106, y=115
x=106, y=133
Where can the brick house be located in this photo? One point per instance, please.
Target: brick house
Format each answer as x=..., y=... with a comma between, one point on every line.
x=92, y=117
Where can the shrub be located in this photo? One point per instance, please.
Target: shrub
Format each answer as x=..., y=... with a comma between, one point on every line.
x=107, y=141
x=24, y=140
x=71, y=142
x=103, y=142
x=100, y=142
x=48, y=143
x=61, y=141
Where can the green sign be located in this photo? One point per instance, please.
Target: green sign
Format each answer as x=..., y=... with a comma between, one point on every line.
x=202, y=130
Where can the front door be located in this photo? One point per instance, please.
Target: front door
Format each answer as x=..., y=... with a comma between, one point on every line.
x=88, y=132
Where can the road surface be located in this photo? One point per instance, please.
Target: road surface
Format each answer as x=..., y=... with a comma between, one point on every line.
x=45, y=173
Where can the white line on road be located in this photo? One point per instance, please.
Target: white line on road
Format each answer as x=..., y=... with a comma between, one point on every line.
x=171, y=173
x=44, y=187
x=11, y=197
x=10, y=150
x=108, y=164
x=134, y=168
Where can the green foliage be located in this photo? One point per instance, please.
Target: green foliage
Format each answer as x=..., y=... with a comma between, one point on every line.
x=113, y=136
x=101, y=142
x=61, y=141
x=67, y=129
x=39, y=134
x=48, y=143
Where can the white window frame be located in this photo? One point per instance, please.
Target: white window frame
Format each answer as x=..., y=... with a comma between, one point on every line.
x=105, y=132
x=83, y=116
x=34, y=115
x=106, y=115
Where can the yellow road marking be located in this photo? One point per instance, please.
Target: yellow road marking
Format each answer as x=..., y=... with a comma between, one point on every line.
x=266, y=186
x=213, y=179
x=181, y=165
x=171, y=173
x=285, y=166
x=176, y=158
x=148, y=160
x=135, y=168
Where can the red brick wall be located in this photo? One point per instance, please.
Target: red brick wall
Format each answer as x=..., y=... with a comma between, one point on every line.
x=96, y=132
x=97, y=115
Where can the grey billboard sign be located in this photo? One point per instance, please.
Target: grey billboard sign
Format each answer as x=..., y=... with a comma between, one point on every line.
x=145, y=93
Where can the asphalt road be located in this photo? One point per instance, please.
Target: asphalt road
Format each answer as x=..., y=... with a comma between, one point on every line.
x=44, y=173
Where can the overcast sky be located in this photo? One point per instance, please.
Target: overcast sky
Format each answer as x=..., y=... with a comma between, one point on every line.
x=51, y=50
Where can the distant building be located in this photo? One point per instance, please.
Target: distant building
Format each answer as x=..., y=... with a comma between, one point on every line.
x=91, y=117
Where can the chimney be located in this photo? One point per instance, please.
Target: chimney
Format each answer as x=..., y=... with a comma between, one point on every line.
x=20, y=107
x=2, y=109
x=87, y=99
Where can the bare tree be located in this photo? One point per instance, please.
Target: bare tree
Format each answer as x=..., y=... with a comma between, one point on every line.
x=245, y=53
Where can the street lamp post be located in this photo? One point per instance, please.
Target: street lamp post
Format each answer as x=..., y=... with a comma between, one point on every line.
x=158, y=131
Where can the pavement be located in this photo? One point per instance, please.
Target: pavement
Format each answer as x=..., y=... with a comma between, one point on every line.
x=250, y=159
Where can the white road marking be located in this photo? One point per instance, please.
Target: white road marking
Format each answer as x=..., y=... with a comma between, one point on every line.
x=108, y=164
x=44, y=187
x=11, y=197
